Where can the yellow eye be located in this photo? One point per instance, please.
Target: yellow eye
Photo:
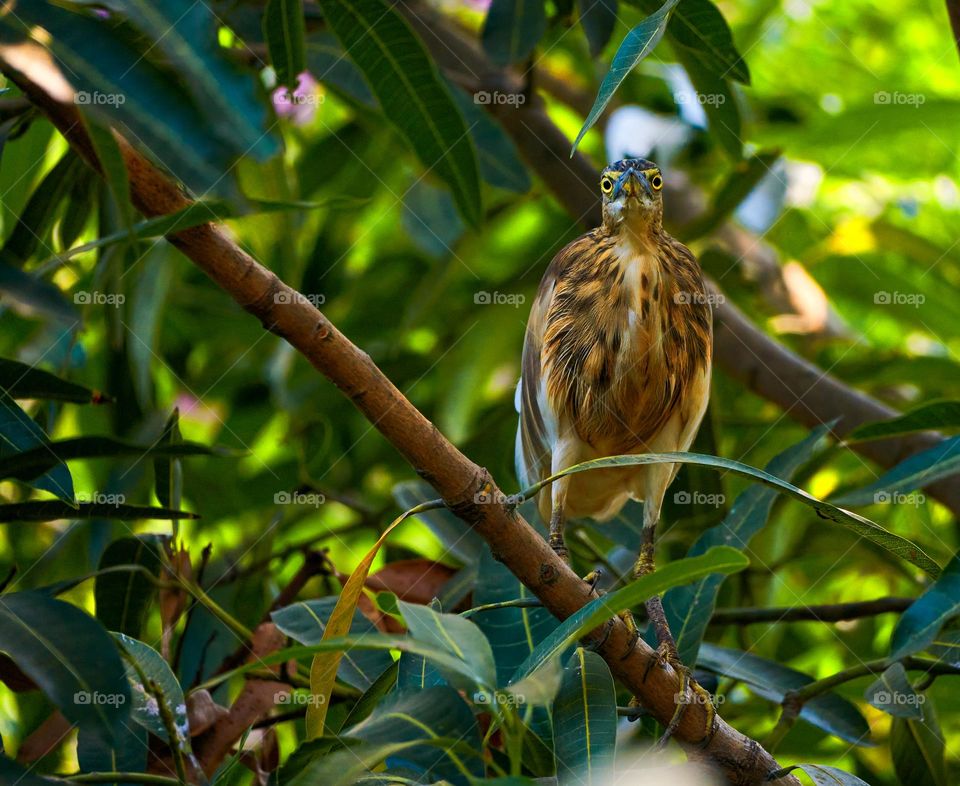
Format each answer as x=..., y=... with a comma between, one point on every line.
x=606, y=184
x=656, y=182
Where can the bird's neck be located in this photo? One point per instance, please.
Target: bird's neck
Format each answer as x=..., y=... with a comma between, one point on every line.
x=642, y=234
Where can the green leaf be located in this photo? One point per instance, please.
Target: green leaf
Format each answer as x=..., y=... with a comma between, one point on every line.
x=21, y=380
x=431, y=219
x=413, y=95
x=426, y=714
x=935, y=415
x=168, y=470
x=689, y=608
x=149, y=675
x=598, y=18
x=720, y=559
x=51, y=510
x=456, y=636
x=112, y=165
x=892, y=693
x=122, y=598
x=40, y=459
x=918, y=751
x=920, y=469
x=771, y=680
x=128, y=753
x=13, y=773
x=821, y=775
x=284, y=31
x=20, y=435
x=863, y=527
x=512, y=30
x=374, y=695
x=71, y=657
x=80, y=202
x=455, y=536
x=327, y=61
x=585, y=721
x=720, y=105
x=918, y=626
x=306, y=622
x=637, y=44
x=36, y=295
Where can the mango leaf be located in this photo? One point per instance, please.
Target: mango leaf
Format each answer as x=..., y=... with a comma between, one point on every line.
x=323, y=670
x=637, y=44
x=863, y=527
x=771, y=680
x=921, y=469
x=20, y=435
x=128, y=753
x=512, y=29
x=433, y=712
x=455, y=536
x=719, y=559
x=585, y=720
x=374, y=695
x=918, y=626
x=306, y=623
x=12, y=772
x=892, y=693
x=21, y=380
x=413, y=95
x=689, y=608
x=284, y=30
x=167, y=470
x=597, y=18
x=822, y=775
x=456, y=636
x=122, y=598
x=36, y=295
x=30, y=462
x=327, y=61
x=149, y=675
x=935, y=415
x=52, y=510
x=431, y=219
x=918, y=751
x=719, y=103
x=71, y=657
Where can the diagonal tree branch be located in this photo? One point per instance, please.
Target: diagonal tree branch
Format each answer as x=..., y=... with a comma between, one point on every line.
x=457, y=479
x=807, y=393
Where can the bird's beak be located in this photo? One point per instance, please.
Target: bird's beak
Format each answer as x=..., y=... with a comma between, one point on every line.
x=632, y=184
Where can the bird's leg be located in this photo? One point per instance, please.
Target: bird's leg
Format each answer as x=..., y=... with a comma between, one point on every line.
x=667, y=648
x=557, y=543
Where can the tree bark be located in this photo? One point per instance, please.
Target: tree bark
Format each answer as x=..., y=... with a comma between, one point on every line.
x=458, y=480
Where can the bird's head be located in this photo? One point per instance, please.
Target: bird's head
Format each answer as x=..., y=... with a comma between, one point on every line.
x=632, y=195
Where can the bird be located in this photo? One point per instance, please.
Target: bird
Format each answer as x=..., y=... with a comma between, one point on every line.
x=616, y=360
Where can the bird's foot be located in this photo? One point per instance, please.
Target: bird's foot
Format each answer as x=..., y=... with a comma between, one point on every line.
x=627, y=616
x=689, y=692
x=559, y=547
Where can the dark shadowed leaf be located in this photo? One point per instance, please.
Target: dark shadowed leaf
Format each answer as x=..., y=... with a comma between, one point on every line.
x=598, y=18
x=822, y=775
x=431, y=219
x=933, y=416
x=36, y=295
x=892, y=693
x=585, y=720
x=919, y=624
x=719, y=102
x=689, y=608
x=51, y=510
x=918, y=751
x=284, y=30
x=128, y=753
x=457, y=538
x=772, y=680
x=167, y=470
x=327, y=62
x=20, y=435
x=513, y=29
x=122, y=598
x=639, y=42
x=413, y=96
x=71, y=657
x=21, y=380
x=374, y=695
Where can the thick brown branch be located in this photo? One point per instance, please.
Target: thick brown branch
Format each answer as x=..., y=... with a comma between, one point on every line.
x=453, y=475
